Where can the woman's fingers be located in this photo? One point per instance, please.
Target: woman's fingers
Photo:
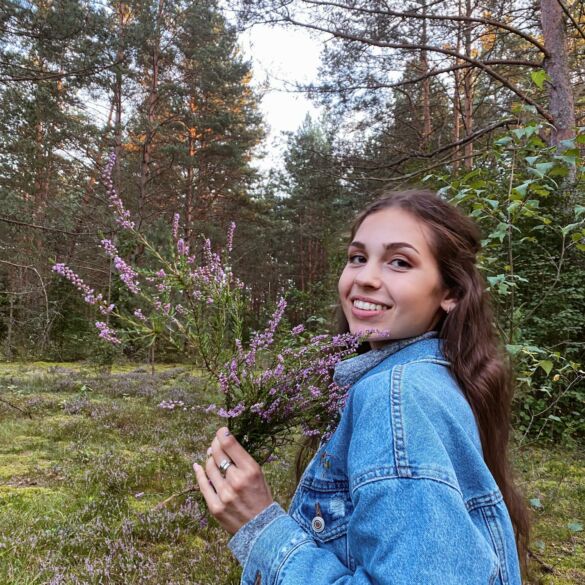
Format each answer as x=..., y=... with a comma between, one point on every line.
x=239, y=495
x=212, y=471
x=211, y=498
x=220, y=456
x=230, y=446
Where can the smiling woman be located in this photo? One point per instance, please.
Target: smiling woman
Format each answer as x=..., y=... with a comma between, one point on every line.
x=392, y=286
x=414, y=485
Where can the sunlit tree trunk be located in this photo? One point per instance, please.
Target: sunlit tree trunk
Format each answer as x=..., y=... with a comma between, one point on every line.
x=561, y=100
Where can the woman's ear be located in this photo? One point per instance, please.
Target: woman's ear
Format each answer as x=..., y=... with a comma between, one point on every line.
x=448, y=303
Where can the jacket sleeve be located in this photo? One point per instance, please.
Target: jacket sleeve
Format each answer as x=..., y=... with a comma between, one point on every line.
x=405, y=528
x=402, y=532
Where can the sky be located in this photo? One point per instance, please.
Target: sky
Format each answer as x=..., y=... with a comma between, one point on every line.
x=281, y=57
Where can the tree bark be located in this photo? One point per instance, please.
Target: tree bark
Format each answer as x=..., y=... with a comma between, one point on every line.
x=151, y=106
x=561, y=99
x=468, y=89
x=426, y=85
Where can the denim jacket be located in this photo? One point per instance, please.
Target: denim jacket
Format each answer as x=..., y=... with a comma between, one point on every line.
x=400, y=493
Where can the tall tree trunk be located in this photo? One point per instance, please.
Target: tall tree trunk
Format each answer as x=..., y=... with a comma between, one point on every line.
x=190, y=178
x=562, y=104
x=426, y=84
x=91, y=181
x=457, y=96
x=151, y=103
x=468, y=88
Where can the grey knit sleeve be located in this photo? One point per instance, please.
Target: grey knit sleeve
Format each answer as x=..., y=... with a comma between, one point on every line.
x=243, y=540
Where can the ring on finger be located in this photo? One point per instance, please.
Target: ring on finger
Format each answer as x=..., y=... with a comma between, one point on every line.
x=223, y=466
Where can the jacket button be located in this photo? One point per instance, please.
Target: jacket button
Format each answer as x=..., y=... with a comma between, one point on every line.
x=318, y=524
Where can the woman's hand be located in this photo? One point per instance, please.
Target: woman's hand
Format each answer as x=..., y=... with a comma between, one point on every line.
x=240, y=494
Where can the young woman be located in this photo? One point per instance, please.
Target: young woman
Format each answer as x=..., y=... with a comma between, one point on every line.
x=414, y=486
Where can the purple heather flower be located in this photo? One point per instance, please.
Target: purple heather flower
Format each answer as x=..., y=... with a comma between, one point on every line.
x=176, y=219
x=182, y=247
x=121, y=213
x=109, y=248
x=127, y=275
x=232, y=413
x=107, y=333
x=230, y=236
x=298, y=329
x=138, y=314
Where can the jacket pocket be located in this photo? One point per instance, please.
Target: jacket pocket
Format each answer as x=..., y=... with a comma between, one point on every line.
x=323, y=509
x=493, y=522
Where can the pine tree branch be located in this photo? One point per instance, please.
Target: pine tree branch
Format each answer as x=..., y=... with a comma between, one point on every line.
x=44, y=228
x=447, y=147
x=419, y=47
x=40, y=75
x=441, y=17
x=572, y=18
x=397, y=84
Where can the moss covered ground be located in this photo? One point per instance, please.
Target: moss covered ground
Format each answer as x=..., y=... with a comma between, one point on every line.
x=87, y=456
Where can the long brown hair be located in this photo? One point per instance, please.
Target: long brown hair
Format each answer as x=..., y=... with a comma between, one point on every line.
x=470, y=340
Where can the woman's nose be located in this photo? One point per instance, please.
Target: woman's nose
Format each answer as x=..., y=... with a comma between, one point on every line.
x=368, y=276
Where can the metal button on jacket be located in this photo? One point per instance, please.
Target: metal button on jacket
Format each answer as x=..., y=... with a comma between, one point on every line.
x=318, y=524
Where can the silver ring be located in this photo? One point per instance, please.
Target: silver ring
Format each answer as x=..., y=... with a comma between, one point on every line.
x=223, y=466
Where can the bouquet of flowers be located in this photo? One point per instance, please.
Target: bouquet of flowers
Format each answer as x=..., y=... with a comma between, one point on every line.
x=276, y=382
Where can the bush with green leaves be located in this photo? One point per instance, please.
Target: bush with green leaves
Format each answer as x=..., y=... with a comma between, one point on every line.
x=529, y=201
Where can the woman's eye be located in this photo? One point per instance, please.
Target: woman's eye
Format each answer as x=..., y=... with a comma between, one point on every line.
x=356, y=259
x=401, y=263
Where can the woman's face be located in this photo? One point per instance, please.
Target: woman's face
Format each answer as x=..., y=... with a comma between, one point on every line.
x=391, y=282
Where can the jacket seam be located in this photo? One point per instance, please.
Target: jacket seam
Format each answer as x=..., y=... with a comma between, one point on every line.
x=397, y=422
x=428, y=359
x=484, y=501
x=400, y=477
x=498, y=544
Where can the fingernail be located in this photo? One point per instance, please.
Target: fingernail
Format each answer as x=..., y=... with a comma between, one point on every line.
x=196, y=466
x=227, y=433
x=209, y=452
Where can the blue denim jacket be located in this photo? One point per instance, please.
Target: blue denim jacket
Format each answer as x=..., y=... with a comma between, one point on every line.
x=400, y=494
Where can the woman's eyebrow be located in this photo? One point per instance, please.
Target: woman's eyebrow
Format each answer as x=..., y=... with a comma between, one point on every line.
x=388, y=247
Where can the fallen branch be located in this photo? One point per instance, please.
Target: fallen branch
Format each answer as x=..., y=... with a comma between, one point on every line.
x=545, y=566
x=164, y=503
x=25, y=412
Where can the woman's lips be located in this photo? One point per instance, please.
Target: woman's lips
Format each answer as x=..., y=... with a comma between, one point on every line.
x=365, y=314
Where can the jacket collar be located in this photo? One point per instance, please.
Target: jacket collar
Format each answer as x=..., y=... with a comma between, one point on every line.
x=348, y=372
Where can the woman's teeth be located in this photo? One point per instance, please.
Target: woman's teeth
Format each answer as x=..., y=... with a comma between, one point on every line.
x=368, y=306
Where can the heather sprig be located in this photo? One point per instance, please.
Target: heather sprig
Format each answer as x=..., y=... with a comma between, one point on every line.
x=192, y=301
x=271, y=384
x=280, y=382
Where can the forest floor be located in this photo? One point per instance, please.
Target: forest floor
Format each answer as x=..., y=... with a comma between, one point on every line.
x=86, y=457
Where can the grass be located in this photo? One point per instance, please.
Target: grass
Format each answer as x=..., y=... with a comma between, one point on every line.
x=85, y=457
